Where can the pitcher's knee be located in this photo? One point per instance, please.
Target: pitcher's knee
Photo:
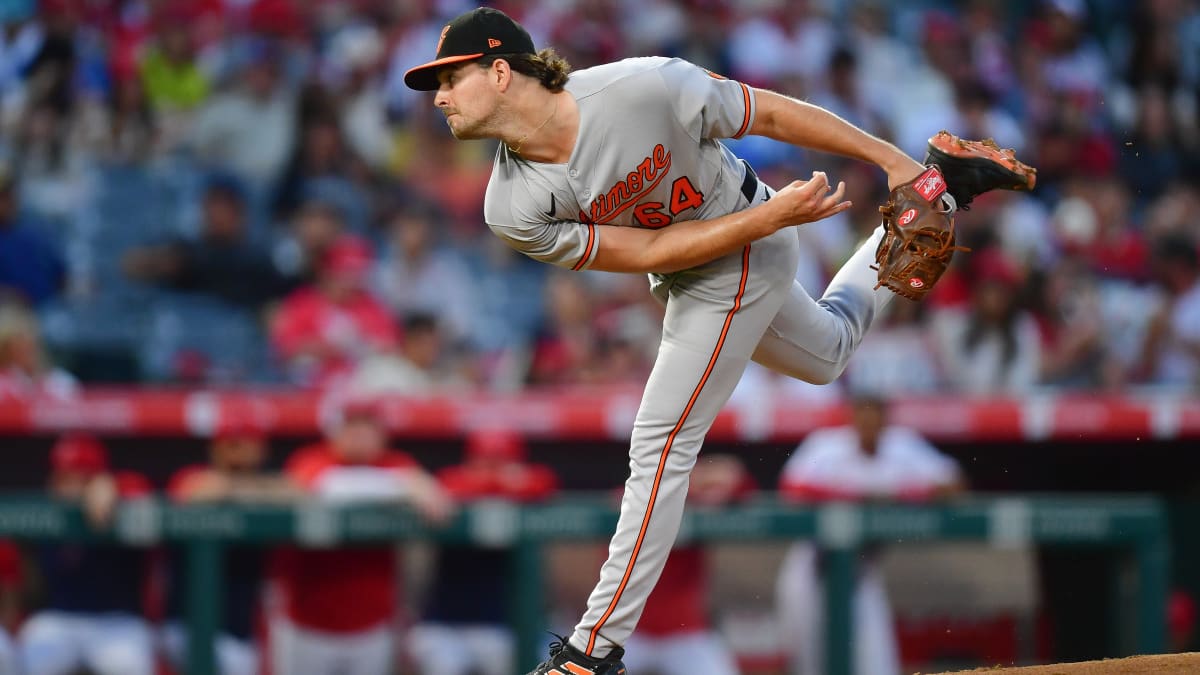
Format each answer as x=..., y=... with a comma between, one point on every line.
x=819, y=371
x=829, y=372
x=832, y=361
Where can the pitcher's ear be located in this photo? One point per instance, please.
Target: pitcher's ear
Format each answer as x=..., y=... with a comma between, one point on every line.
x=502, y=73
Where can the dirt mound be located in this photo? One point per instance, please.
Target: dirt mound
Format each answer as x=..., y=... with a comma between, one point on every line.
x=1162, y=664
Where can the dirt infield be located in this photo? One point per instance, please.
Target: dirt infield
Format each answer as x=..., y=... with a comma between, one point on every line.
x=1164, y=664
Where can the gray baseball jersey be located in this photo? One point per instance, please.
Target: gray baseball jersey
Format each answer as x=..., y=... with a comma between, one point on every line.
x=648, y=154
x=633, y=115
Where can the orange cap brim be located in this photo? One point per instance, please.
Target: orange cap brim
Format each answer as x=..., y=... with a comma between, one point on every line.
x=424, y=76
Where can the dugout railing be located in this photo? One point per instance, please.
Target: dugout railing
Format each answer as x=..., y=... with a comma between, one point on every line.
x=1133, y=524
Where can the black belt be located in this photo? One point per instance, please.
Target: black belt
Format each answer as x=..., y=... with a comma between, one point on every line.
x=749, y=184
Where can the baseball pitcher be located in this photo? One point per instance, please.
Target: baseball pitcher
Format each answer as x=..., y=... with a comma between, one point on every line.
x=620, y=168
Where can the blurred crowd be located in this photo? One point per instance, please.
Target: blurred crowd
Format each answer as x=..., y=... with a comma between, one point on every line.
x=294, y=610
x=233, y=191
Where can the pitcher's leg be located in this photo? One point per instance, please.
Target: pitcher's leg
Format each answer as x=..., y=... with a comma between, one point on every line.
x=708, y=336
x=683, y=395
x=812, y=340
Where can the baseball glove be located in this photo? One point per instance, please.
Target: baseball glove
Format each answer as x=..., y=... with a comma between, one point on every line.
x=918, y=239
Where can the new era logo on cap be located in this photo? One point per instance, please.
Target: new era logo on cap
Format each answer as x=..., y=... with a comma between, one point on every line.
x=475, y=34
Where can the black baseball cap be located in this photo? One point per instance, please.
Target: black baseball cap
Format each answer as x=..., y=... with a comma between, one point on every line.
x=478, y=33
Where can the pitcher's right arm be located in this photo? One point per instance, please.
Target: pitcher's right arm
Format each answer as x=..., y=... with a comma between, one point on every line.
x=687, y=244
x=679, y=246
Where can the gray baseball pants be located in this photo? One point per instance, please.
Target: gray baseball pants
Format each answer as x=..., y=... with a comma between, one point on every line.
x=719, y=316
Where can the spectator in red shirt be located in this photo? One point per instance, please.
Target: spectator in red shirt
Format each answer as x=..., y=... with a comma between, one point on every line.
x=323, y=330
x=92, y=613
x=236, y=472
x=674, y=635
x=1095, y=220
x=339, y=605
x=465, y=624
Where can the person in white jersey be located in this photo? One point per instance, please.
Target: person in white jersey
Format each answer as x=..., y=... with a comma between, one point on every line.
x=620, y=168
x=867, y=459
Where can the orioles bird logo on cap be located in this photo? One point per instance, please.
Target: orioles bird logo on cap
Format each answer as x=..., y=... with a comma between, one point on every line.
x=441, y=40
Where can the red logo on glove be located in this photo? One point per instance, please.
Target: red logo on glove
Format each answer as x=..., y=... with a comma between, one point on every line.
x=916, y=283
x=907, y=217
x=930, y=184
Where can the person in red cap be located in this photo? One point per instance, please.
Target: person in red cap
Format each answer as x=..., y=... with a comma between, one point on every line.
x=236, y=472
x=85, y=624
x=464, y=629
x=337, y=607
x=323, y=330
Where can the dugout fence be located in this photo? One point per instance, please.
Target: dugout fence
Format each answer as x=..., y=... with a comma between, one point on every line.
x=1134, y=525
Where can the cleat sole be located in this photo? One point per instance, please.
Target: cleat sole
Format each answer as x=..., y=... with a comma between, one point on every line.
x=986, y=155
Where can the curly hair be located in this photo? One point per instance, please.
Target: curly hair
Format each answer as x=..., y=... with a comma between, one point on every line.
x=547, y=67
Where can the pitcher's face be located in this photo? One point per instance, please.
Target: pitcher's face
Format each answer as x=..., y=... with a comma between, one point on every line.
x=467, y=97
